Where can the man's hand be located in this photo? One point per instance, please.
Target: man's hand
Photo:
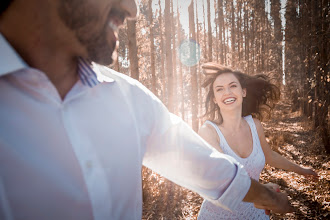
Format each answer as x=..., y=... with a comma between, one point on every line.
x=280, y=204
x=268, y=197
x=273, y=187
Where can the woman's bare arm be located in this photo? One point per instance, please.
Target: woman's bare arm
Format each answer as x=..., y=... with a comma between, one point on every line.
x=276, y=160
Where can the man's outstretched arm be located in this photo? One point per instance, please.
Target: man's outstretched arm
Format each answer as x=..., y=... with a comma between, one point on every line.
x=266, y=198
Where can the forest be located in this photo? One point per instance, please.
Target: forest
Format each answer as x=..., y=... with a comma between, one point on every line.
x=288, y=40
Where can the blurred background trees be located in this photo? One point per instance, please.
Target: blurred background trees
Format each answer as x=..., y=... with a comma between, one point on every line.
x=166, y=45
x=286, y=39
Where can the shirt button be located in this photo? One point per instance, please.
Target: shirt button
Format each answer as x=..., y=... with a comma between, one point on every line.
x=89, y=164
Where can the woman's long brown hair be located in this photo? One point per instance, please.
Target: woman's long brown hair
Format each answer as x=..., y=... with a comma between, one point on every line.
x=261, y=94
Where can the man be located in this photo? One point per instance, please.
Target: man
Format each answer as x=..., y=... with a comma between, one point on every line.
x=71, y=146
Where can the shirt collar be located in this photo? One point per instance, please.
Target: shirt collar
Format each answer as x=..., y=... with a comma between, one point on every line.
x=86, y=74
x=11, y=61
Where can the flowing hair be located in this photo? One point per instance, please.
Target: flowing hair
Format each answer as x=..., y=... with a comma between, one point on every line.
x=261, y=94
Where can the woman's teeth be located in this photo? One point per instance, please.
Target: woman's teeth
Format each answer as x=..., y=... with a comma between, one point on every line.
x=229, y=100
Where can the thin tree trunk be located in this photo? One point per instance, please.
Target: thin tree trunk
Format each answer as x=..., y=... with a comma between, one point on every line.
x=239, y=33
x=233, y=40
x=193, y=71
x=220, y=23
x=246, y=37
x=169, y=63
x=132, y=48
x=209, y=30
x=205, y=35
x=162, y=54
x=175, y=87
x=276, y=15
x=325, y=73
x=216, y=32
x=199, y=74
x=152, y=49
x=180, y=65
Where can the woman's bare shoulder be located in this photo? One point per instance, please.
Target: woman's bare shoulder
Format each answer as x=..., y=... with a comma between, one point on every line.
x=209, y=134
x=207, y=130
x=258, y=124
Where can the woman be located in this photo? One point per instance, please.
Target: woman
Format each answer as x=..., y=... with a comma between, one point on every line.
x=233, y=104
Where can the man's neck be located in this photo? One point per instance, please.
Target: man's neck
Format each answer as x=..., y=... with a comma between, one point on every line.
x=35, y=33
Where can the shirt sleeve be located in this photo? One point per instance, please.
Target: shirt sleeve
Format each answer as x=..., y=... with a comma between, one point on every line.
x=179, y=154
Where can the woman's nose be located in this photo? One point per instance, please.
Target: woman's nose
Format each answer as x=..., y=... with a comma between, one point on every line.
x=227, y=91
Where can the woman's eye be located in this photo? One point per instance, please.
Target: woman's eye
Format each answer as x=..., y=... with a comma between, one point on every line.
x=233, y=86
x=218, y=90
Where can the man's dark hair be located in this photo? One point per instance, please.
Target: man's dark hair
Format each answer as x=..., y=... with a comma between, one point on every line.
x=4, y=5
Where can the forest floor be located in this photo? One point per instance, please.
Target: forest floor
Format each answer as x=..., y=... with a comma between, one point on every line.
x=289, y=134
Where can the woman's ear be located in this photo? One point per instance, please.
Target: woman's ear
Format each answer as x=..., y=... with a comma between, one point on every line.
x=244, y=93
x=215, y=101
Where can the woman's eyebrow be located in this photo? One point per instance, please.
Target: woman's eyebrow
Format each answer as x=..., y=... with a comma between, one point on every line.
x=228, y=84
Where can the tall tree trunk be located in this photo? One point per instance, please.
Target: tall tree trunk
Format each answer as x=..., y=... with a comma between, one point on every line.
x=152, y=49
x=239, y=33
x=216, y=32
x=221, y=23
x=209, y=30
x=174, y=86
x=252, y=43
x=180, y=65
x=193, y=70
x=276, y=15
x=132, y=48
x=246, y=37
x=199, y=73
x=233, y=33
x=315, y=44
x=324, y=71
x=162, y=54
x=169, y=63
x=262, y=36
x=205, y=35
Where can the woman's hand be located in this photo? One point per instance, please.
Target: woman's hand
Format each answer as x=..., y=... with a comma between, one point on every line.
x=273, y=187
x=309, y=173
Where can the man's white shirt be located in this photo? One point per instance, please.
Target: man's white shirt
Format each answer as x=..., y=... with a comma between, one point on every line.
x=81, y=157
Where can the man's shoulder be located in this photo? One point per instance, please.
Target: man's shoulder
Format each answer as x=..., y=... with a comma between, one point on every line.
x=127, y=83
x=107, y=74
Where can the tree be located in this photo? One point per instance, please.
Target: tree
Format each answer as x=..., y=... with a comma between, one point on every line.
x=162, y=52
x=209, y=27
x=169, y=60
x=193, y=70
x=132, y=47
x=275, y=13
x=152, y=49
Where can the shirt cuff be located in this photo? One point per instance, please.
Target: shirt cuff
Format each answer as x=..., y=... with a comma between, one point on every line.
x=236, y=191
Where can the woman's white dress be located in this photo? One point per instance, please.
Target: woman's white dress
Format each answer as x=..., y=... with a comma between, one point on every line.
x=253, y=164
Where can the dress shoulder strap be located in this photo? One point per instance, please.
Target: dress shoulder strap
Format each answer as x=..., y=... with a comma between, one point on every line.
x=215, y=127
x=222, y=138
x=253, y=127
x=250, y=121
